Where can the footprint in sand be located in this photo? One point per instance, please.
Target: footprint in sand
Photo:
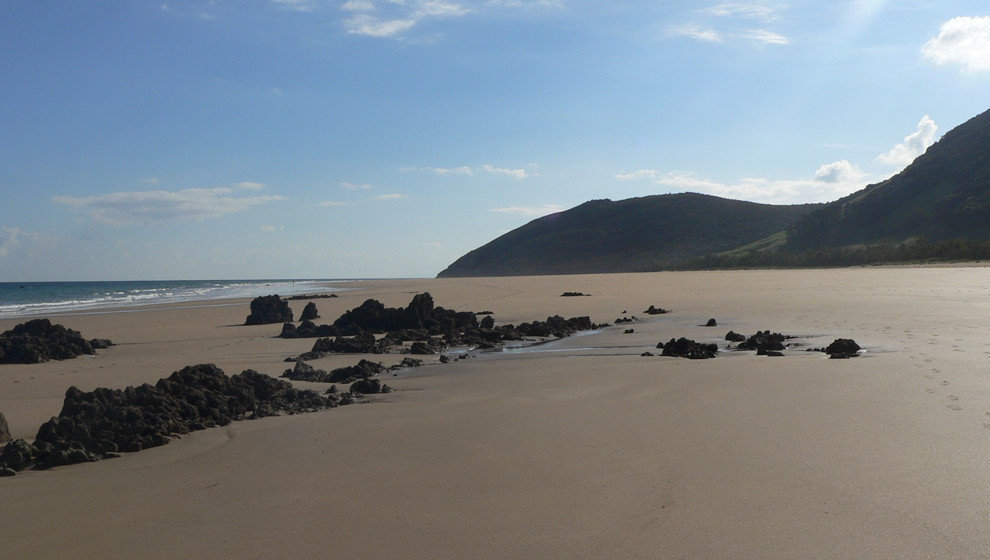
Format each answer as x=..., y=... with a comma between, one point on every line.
x=953, y=398
x=945, y=382
x=929, y=376
x=953, y=407
x=930, y=390
x=936, y=370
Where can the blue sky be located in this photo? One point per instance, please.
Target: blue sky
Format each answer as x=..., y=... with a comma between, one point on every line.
x=385, y=138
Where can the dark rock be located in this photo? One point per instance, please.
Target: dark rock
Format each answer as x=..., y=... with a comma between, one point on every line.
x=309, y=312
x=655, y=311
x=487, y=323
x=485, y=313
x=369, y=387
x=444, y=360
x=101, y=343
x=5, y=471
x=409, y=363
x=311, y=296
x=646, y=354
x=733, y=336
x=686, y=348
x=628, y=331
x=771, y=353
x=842, y=348
x=622, y=320
x=573, y=294
x=362, y=370
x=4, y=429
x=39, y=340
x=431, y=346
x=711, y=323
x=763, y=340
x=269, y=309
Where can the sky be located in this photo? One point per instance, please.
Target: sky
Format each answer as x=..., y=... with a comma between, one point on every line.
x=230, y=139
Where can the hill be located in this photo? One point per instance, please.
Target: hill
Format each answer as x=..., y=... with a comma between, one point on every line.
x=944, y=194
x=636, y=234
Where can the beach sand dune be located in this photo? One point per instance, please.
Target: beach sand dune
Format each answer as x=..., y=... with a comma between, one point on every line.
x=580, y=448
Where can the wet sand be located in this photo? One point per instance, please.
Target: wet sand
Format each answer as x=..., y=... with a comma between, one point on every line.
x=578, y=449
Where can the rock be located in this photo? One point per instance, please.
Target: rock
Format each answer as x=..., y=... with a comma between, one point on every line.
x=686, y=348
x=711, y=323
x=485, y=313
x=573, y=294
x=646, y=354
x=5, y=471
x=444, y=360
x=655, y=311
x=4, y=429
x=309, y=312
x=39, y=340
x=361, y=370
x=771, y=353
x=763, y=340
x=311, y=296
x=628, y=331
x=733, y=336
x=842, y=348
x=369, y=387
x=101, y=343
x=269, y=309
x=305, y=372
x=487, y=323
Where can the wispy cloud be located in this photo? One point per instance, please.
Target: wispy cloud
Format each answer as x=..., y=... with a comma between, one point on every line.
x=914, y=144
x=299, y=5
x=830, y=181
x=463, y=170
x=434, y=244
x=250, y=186
x=13, y=237
x=390, y=18
x=750, y=10
x=529, y=210
x=695, y=32
x=390, y=196
x=962, y=41
x=333, y=203
x=355, y=186
x=514, y=173
x=764, y=37
x=272, y=229
x=138, y=207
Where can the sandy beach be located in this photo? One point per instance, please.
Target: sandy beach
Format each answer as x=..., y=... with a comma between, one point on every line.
x=580, y=448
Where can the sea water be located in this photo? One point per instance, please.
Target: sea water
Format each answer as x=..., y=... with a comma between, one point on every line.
x=19, y=299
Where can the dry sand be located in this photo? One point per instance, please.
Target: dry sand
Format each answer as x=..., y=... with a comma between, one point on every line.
x=583, y=449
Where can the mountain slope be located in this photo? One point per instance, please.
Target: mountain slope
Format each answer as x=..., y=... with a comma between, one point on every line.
x=635, y=234
x=943, y=194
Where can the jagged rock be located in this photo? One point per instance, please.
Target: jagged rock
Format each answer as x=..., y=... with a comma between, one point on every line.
x=431, y=346
x=487, y=323
x=99, y=423
x=269, y=309
x=39, y=340
x=655, y=311
x=304, y=372
x=733, y=336
x=309, y=312
x=622, y=320
x=628, y=331
x=4, y=429
x=369, y=386
x=573, y=294
x=711, y=323
x=485, y=313
x=842, y=348
x=311, y=296
x=686, y=348
x=101, y=343
x=763, y=340
x=444, y=360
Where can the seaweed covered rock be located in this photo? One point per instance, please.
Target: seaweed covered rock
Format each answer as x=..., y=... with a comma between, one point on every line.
x=842, y=348
x=269, y=309
x=39, y=340
x=686, y=348
x=309, y=312
x=96, y=424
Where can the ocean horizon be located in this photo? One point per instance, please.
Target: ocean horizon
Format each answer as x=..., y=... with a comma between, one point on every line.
x=31, y=299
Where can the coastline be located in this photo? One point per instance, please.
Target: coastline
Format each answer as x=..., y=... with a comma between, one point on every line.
x=584, y=450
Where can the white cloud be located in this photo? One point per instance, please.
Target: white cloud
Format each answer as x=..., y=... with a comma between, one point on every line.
x=400, y=16
x=964, y=41
x=556, y=4
x=839, y=172
x=270, y=229
x=355, y=187
x=754, y=11
x=530, y=210
x=434, y=244
x=390, y=196
x=831, y=181
x=913, y=145
x=332, y=203
x=514, y=173
x=765, y=37
x=139, y=207
x=12, y=237
x=699, y=33
x=300, y=5
x=150, y=180
x=462, y=170
x=250, y=186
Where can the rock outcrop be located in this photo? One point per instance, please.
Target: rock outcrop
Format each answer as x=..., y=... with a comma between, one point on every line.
x=842, y=348
x=269, y=309
x=39, y=340
x=309, y=312
x=687, y=348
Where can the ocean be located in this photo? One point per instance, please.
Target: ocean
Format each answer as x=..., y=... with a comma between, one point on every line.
x=25, y=299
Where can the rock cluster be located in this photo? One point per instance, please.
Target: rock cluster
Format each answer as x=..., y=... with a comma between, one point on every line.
x=686, y=348
x=765, y=343
x=733, y=336
x=98, y=424
x=369, y=386
x=39, y=340
x=269, y=309
x=305, y=372
x=311, y=296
